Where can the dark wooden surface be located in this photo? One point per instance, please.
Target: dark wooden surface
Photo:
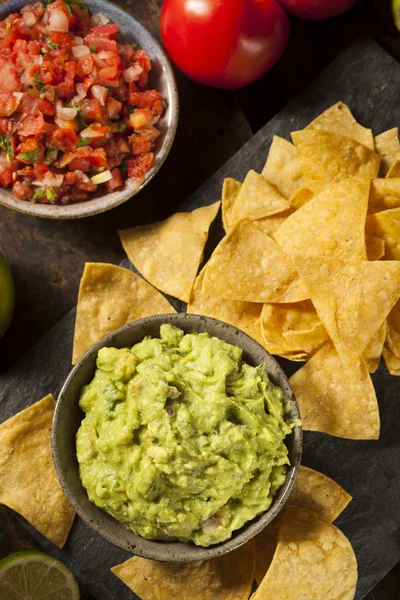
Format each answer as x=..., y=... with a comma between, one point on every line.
x=47, y=257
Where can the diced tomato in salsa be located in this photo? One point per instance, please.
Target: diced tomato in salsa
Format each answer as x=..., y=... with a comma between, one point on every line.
x=73, y=103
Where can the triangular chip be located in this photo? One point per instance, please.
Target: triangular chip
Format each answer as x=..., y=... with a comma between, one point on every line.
x=110, y=297
x=384, y=195
x=230, y=191
x=375, y=247
x=386, y=225
x=228, y=577
x=394, y=171
x=373, y=352
x=327, y=157
x=339, y=119
x=282, y=168
x=313, y=560
x=249, y=266
x=266, y=542
x=256, y=199
x=28, y=481
x=318, y=492
x=300, y=197
x=331, y=225
x=336, y=399
x=393, y=330
x=388, y=147
x=243, y=315
x=271, y=224
x=392, y=361
x=168, y=254
x=352, y=300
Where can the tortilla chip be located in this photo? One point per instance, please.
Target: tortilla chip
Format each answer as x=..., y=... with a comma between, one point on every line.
x=384, y=195
x=329, y=157
x=373, y=352
x=271, y=224
x=278, y=321
x=266, y=542
x=249, y=266
x=282, y=168
x=393, y=330
x=352, y=300
x=336, y=399
x=394, y=171
x=230, y=191
x=243, y=315
x=392, y=361
x=157, y=250
x=28, y=481
x=330, y=225
x=228, y=577
x=313, y=560
x=256, y=199
x=375, y=247
x=386, y=225
x=300, y=197
x=388, y=147
x=318, y=492
x=110, y=297
x=339, y=119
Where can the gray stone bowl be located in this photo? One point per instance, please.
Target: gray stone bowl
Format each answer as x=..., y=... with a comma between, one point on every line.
x=68, y=416
x=161, y=78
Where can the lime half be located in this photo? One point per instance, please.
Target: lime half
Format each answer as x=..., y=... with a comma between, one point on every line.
x=396, y=13
x=36, y=576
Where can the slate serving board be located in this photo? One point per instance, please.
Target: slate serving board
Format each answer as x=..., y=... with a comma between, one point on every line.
x=368, y=79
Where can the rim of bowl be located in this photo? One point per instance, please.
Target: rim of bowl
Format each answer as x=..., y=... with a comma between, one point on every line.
x=111, y=200
x=110, y=528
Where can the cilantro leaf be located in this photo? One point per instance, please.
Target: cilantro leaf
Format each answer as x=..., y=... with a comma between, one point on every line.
x=83, y=142
x=37, y=81
x=5, y=145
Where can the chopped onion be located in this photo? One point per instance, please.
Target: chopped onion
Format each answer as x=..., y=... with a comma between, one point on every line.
x=102, y=177
x=64, y=113
x=18, y=96
x=100, y=93
x=90, y=133
x=81, y=89
x=132, y=73
x=209, y=526
x=80, y=51
x=104, y=55
x=58, y=21
x=100, y=63
x=50, y=180
x=78, y=40
x=99, y=20
x=38, y=60
x=29, y=19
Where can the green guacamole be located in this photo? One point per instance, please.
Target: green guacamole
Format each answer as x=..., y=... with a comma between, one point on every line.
x=181, y=438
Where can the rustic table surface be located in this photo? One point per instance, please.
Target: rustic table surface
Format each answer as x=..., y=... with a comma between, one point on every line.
x=47, y=257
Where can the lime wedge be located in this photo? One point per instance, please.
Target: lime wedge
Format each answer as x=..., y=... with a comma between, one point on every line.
x=36, y=576
x=396, y=13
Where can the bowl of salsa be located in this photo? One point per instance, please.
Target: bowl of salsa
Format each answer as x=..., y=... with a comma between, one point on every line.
x=88, y=107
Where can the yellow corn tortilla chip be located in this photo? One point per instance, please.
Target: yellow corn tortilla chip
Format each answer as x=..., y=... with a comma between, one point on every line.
x=230, y=191
x=256, y=199
x=394, y=171
x=300, y=197
x=373, y=352
x=318, y=492
x=330, y=225
x=28, y=481
x=266, y=542
x=243, y=315
x=386, y=225
x=271, y=224
x=352, y=300
x=336, y=399
x=339, y=119
x=278, y=321
x=327, y=157
x=168, y=254
x=384, y=195
x=110, y=297
x=392, y=361
x=228, y=577
x=283, y=169
x=388, y=147
x=375, y=247
x=249, y=266
x=313, y=560
x=393, y=330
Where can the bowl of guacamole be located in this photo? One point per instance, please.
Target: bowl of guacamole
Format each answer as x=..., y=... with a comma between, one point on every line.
x=177, y=437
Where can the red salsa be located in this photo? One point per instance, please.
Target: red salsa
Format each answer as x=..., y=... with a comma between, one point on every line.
x=76, y=111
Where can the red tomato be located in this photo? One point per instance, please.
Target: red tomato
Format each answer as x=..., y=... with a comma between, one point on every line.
x=317, y=9
x=106, y=30
x=225, y=44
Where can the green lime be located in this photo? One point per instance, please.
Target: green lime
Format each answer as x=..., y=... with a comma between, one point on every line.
x=36, y=576
x=396, y=13
x=6, y=295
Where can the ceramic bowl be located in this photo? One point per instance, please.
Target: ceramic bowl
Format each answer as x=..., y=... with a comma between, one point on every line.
x=68, y=416
x=161, y=78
